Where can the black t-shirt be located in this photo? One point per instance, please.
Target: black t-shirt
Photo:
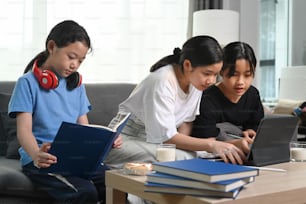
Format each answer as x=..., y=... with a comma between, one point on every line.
x=216, y=108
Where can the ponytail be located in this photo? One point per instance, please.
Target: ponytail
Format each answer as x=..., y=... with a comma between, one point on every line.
x=170, y=59
x=41, y=57
x=200, y=50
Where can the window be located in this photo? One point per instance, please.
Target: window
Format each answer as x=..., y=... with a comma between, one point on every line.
x=128, y=36
x=274, y=27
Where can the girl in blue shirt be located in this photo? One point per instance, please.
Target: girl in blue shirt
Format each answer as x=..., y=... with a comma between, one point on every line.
x=49, y=93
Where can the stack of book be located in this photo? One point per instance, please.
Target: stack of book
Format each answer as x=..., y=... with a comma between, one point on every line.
x=199, y=177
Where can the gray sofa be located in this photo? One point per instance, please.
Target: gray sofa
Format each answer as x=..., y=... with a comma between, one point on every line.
x=15, y=187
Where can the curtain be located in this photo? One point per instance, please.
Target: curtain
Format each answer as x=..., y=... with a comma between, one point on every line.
x=196, y=5
x=207, y=4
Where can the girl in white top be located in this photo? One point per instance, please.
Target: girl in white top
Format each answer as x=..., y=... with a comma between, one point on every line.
x=166, y=102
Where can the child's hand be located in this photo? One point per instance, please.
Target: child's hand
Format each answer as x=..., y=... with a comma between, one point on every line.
x=43, y=159
x=228, y=152
x=243, y=144
x=249, y=135
x=118, y=142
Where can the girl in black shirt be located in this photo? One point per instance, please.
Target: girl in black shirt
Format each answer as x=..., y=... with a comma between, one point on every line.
x=233, y=101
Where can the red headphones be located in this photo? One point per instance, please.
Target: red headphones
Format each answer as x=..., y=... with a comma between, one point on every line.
x=48, y=79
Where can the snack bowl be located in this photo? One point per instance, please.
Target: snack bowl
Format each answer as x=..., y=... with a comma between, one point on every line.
x=137, y=168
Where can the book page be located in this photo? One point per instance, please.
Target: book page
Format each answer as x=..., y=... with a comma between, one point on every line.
x=120, y=118
x=99, y=126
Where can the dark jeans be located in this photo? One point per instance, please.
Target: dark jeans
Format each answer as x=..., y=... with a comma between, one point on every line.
x=82, y=190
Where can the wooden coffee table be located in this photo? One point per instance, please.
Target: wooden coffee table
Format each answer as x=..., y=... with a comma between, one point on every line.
x=269, y=187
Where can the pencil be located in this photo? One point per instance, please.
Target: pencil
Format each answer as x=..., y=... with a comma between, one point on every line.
x=233, y=136
x=268, y=169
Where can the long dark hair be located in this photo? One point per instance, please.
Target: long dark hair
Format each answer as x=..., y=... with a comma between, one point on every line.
x=63, y=34
x=199, y=50
x=235, y=51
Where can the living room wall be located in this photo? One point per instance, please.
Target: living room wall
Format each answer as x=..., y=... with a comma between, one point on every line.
x=298, y=34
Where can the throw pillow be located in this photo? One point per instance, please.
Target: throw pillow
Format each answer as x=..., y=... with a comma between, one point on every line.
x=9, y=142
x=3, y=145
x=4, y=100
x=10, y=128
x=286, y=106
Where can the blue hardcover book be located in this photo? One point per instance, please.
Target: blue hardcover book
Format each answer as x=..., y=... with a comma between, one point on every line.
x=204, y=170
x=225, y=186
x=80, y=149
x=171, y=189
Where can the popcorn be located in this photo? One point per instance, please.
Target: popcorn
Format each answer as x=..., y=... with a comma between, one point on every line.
x=137, y=168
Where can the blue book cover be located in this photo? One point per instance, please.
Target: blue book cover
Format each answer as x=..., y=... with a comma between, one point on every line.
x=225, y=186
x=204, y=170
x=171, y=189
x=80, y=149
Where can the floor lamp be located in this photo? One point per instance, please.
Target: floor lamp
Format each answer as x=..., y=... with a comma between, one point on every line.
x=221, y=24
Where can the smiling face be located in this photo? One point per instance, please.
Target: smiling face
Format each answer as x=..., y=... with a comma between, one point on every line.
x=202, y=77
x=66, y=60
x=233, y=87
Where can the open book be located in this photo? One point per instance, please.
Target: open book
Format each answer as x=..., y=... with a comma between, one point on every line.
x=80, y=149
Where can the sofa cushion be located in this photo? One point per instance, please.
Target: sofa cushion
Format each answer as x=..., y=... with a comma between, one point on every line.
x=9, y=125
x=4, y=99
x=3, y=145
x=286, y=106
x=105, y=100
x=14, y=182
x=9, y=143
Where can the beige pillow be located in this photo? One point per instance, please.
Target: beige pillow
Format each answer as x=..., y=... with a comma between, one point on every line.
x=286, y=106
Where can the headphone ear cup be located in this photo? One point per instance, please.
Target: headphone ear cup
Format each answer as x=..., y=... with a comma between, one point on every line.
x=46, y=78
x=74, y=80
x=49, y=80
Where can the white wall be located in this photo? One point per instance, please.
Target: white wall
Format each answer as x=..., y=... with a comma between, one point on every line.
x=298, y=56
x=293, y=83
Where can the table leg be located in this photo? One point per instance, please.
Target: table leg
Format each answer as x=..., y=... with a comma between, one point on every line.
x=114, y=196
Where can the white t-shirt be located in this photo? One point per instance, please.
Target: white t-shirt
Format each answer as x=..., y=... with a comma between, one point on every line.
x=160, y=104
